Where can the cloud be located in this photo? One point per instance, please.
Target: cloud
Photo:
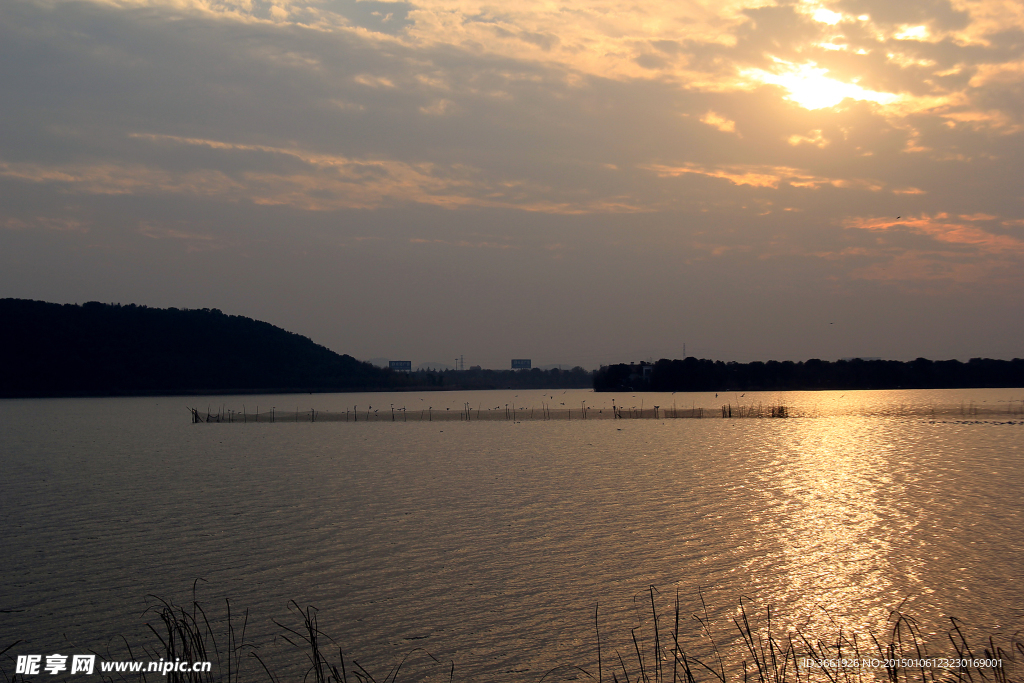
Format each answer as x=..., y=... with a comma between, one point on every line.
x=948, y=233
x=762, y=176
x=320, y=182
x=58, y=224
x=465, y=244
x=815, y=138
x=114, y=179
x=179, y=128
x=193, y=241
x=720, y=122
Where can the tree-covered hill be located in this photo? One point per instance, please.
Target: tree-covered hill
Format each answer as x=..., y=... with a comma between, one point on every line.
x=107, y=349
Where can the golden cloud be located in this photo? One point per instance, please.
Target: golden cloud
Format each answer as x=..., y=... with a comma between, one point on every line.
x=328, y=182
x=941, y=228
x=110, y=178
x=761, y=175
x=654, y=39
x=718, y=121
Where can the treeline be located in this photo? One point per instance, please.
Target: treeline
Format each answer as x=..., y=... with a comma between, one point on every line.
x=707, y=375
x=476, y=378
x=100, y=349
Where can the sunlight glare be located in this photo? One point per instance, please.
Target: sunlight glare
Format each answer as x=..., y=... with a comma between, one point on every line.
x=913, y=33
x=809, y=87
x=826, y=16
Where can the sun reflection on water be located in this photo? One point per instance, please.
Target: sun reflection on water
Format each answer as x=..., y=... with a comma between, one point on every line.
x=834, y=484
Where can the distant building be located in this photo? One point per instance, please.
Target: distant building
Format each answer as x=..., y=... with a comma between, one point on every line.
x=521, y=364
x=400, y=365
x=643, y=371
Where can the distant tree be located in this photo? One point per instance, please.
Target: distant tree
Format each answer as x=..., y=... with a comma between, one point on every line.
x=692, y=374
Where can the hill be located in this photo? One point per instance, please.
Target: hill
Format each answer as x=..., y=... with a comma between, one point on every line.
x=108, y=349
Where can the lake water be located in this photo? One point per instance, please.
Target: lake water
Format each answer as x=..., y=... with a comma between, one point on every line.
x=488, y=543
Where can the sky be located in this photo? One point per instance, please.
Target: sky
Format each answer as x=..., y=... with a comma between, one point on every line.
x=573, y=182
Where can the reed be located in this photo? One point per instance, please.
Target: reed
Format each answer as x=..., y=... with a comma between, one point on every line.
x=773, y=657
x=758, y=411
x=509, y=413
x=313, y=642
x=186, y=634
x=656, y=651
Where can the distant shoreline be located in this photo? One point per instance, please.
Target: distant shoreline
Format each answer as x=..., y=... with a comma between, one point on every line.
x=702, y=375
x=108, y=350
x=199, y=392
x=105, y=350
x=425, y=389
x=255, y=392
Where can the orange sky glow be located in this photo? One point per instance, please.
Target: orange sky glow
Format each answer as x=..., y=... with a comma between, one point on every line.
x=780, y=160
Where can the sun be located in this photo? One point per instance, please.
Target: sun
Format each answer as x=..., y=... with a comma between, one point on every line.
x=809, y=87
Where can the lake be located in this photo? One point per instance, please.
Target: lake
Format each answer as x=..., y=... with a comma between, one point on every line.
x=489, y=542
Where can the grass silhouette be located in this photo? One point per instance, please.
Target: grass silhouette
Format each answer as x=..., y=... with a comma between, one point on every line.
x=657, y=653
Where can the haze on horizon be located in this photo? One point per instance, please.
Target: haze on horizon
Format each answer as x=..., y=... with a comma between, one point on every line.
x=574, y=182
